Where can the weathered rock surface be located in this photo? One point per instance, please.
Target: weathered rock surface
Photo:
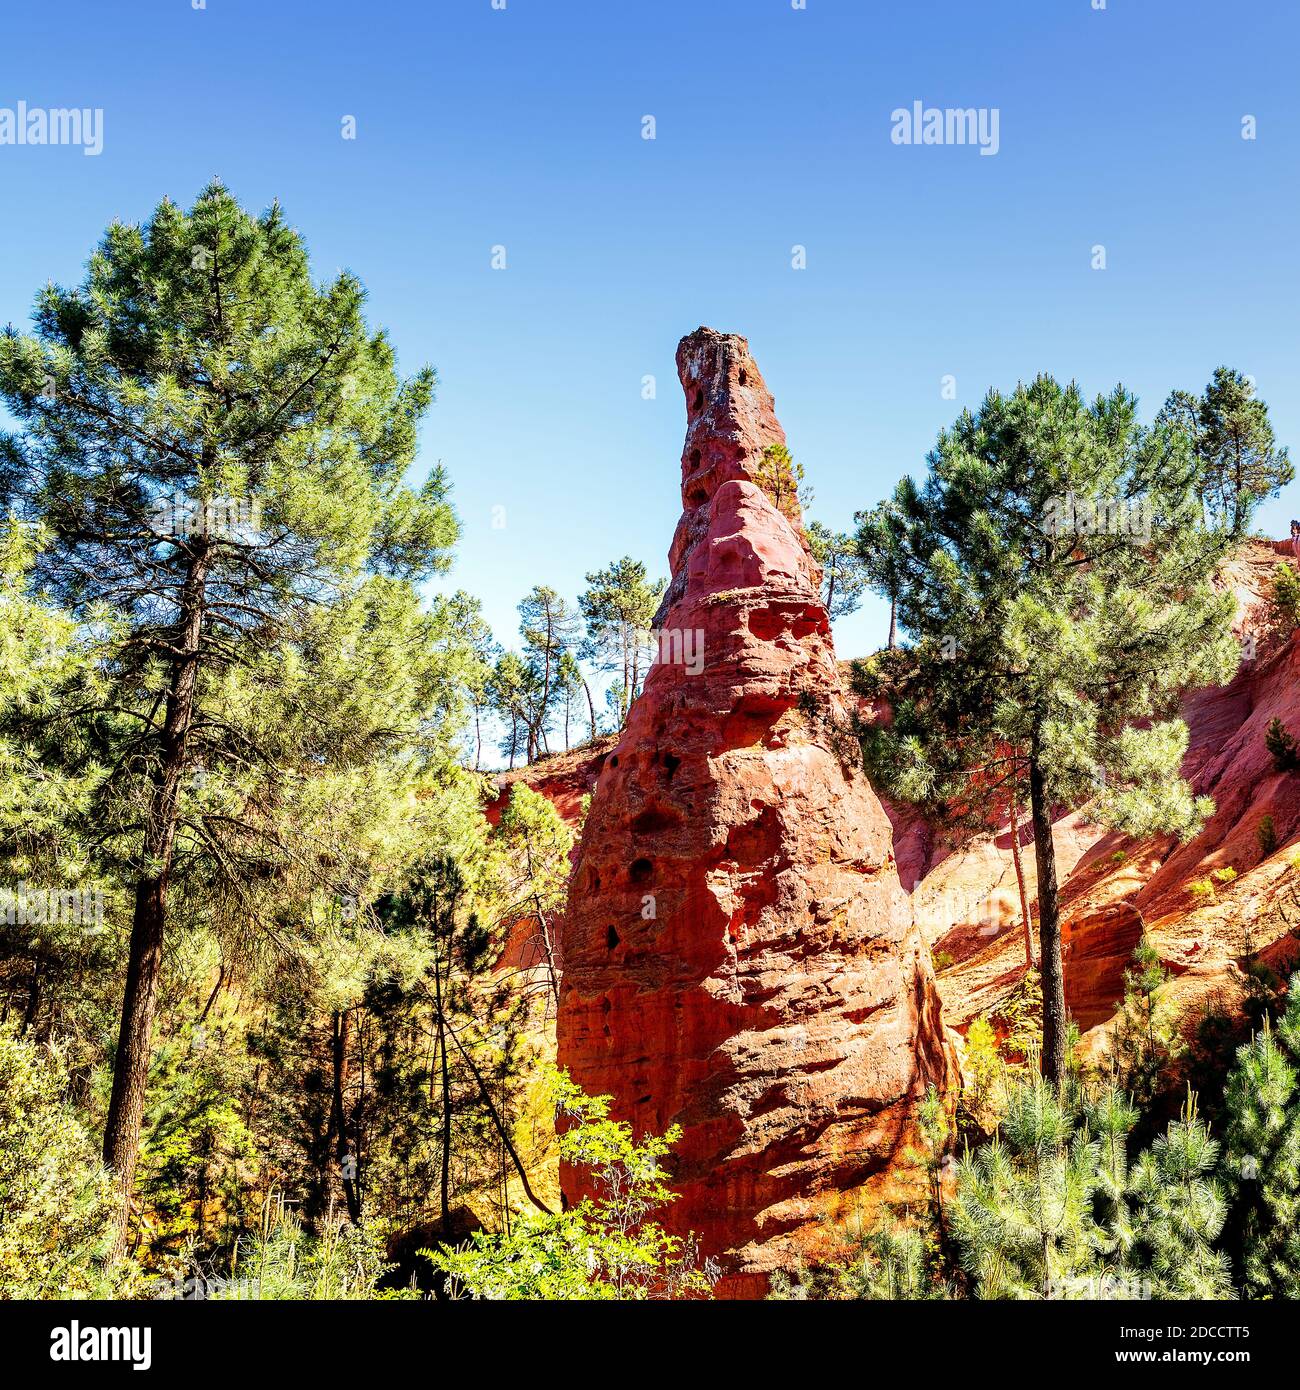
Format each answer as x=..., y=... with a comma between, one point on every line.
x=740, y=958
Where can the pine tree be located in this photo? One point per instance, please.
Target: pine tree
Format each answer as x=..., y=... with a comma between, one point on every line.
x=1056, y=1207
x=466, y=613
x=1284, y=599
x=1281, y=744
x=844, y=578
x=514, y=696
x=550, y=630
x=1233, y=440
x=619, y=608
x=876, y=548
x=782, y=479
x=1261, y=1155
x=1178, y=1211
x=1023, y=1210
x=1055, y=578
x=1145, y=1040
x=216, y=449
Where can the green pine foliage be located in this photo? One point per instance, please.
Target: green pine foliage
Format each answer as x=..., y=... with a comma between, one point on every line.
x=1261, y=1154
x=1055, y=577
x=57, y=1206
x=1232, y=438
x=887, y=1263
x=1284, y=599
x=844, y=576
x=1282, y=746
x=1146, y=1040
x=1177, y=1212
x=619, y=606
x=1022, y=1215
x=1056, y=1208
x=782, y=479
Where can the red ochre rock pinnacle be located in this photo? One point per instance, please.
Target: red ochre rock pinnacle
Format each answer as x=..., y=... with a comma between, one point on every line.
x=740, y=958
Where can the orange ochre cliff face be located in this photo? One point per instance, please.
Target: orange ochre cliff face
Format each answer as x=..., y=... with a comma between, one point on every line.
x=739, y=956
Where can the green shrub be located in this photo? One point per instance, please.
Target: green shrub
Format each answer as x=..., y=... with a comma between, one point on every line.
x=605, y=1247
x=1284, y=601
x=890, y=1263
x=57, y=1202
x=282, y=1262
x=1282, y=745
x=1202, y=891
x=983, y=1063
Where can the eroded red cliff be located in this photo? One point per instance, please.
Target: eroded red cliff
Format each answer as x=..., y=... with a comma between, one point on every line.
x=740, y=957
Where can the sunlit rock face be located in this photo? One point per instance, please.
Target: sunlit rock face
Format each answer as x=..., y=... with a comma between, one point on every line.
x=739, y=955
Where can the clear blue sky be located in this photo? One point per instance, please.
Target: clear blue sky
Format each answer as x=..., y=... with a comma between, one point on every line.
x=523, y=127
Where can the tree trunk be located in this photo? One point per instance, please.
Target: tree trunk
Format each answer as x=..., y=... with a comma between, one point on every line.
x=144, y=957
x=341, y=1041
x=445, y=1184
x=893, y=623
x=591, y=707
x=1049, y=924
x=33, y=995
x=497, y=1122
x=1025, y=918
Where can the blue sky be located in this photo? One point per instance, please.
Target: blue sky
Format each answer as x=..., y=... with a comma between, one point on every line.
x=522, y=127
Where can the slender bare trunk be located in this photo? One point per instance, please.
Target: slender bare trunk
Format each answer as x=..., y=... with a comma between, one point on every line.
x=341, y=1045
x=498, y=1123
x=1026, y=920
x=1049, y=924
x=144, y=955
x=445, y=1182
x=591, y=707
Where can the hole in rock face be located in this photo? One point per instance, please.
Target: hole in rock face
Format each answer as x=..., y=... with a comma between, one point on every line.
x=655, y=819
x=672, y=763
x=695, y=458
x=699, y=401
x=743, y=378
x=812, y=620
x=697, y=497
x=613, y=762
x=611, y=936
x=766, y=623
x=640, y=871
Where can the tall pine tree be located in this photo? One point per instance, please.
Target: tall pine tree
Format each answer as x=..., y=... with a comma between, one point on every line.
x=1054, y=575
x=216, y=447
